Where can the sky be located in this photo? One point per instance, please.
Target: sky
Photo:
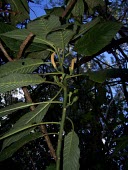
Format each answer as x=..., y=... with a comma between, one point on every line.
x=36, y=10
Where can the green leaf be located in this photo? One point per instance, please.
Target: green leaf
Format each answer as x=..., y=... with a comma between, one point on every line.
x=101, y=75
x=60, y=38
x=40, y=55
x=29, y=118
x=97, y=38
x=11, y=108
x=20, y=66
x=9, y=151
x=43, y=26
x=85, y=27
x=22, y=11
x=14, y=44
x=21, y=34
x=51, y=167
x=58, y=11
x=6, y=27
x=122, y=144
x=78, y=9
x=16, y=80
x=93, y=4
x=71, y=153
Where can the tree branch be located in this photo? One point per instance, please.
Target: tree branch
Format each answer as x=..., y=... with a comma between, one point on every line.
x=5, y=52
x=23, y=45
x=69, y=6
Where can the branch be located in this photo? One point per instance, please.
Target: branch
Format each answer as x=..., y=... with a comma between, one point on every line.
x=5, y=52
x=70, y=5
x=23, y=45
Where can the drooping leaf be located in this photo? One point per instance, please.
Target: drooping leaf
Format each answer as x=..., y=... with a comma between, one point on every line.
x=97, y=38
x=29, y=118
x=20, y=66
x=20, y=11
x=9, y=151
x=16, y=80
x=71, y=153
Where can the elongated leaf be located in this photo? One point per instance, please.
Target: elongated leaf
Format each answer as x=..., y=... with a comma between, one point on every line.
x=97, y=38
x=6, y=27
x=92, y=4
x=85, y=27
x=16, y=80
x=20, y=66
x=9, y=151
x=71, y=152
x=122, y=143
x=78, y=9
x=9, y=109
x=44, y=25
x=40, y=55
x=51, y=167
x=101, y=75
x=55, y=11
x=22, y=11
x=22, y=34
x=29, y=118
x=60, y=38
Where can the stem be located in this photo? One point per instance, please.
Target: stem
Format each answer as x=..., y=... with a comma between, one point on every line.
x=61, y=126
